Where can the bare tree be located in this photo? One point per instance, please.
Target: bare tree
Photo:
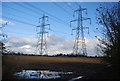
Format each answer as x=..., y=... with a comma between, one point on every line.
x=110, y=19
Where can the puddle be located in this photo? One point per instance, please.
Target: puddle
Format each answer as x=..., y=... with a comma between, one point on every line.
x=40, y=74
x=77, y=78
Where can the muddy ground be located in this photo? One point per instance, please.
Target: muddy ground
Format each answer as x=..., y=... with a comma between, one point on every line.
x=89, y=68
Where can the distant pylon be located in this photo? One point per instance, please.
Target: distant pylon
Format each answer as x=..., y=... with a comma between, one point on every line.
x=80, y=31
x=2, y=36
x=42, y=35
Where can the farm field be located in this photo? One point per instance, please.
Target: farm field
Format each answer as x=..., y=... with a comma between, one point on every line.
x=89, y=68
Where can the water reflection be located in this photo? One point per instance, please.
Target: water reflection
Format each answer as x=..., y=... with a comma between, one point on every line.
x=76, y=78
x=39, y=74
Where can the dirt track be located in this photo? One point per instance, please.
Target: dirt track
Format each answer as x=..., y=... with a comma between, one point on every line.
x=87, y=67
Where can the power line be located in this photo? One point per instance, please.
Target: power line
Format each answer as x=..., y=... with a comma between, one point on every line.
x=61, y=8
x=33, y=25
x=48, y=14
x=18, y=20
x=14, y=15
x=21, y=5
x=24, y=29
x=69, y=6
x=29, y=23
x=31, y=30
x=19, y=10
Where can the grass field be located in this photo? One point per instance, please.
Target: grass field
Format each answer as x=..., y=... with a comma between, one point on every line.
x=86, y=67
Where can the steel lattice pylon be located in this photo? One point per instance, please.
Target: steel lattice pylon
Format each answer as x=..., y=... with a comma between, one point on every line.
x=42, y=35
x=80, y=33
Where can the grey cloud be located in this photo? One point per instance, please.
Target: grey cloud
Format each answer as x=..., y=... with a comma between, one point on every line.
x=17, y=42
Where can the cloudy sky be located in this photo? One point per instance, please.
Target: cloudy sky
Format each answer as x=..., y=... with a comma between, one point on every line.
x=55, y=45
x=22, y=19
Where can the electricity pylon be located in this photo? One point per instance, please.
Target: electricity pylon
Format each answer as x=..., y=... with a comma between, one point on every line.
x=42, y=35
x=80, y=31
x=2, y=36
